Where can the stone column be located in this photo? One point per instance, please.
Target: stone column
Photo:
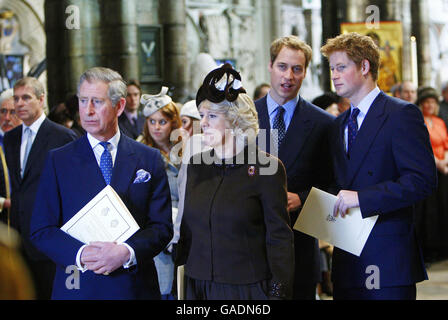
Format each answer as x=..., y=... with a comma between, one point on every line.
x=276, y=17
x=72, y=44
x=119, y=40
x=55, y=46
x=263, y=38
x=420, y=28
x=82, y=46
x=308, y=15
x=172, y=15
x=356, y=10
x=400, y=10
x=332, y=14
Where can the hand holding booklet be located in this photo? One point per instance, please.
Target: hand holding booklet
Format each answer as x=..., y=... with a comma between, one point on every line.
x=104, y=218
x=348, y=233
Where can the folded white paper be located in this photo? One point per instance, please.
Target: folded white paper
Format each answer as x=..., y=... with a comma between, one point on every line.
x=104, y=218
x=348, y=233
x=181, y=282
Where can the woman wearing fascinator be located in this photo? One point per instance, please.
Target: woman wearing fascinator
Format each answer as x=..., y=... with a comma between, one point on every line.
x=162, y=118
x=189, y=116
x=236, y=241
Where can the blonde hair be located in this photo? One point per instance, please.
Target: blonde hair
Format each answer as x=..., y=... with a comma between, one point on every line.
x=357, y=47
x=241, y=115
x=33, y=83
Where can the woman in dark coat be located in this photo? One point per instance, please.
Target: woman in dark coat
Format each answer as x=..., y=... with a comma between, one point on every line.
x=432, y=213
x=236, y=237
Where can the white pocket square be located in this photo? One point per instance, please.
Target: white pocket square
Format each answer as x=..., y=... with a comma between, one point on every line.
x=142, y=176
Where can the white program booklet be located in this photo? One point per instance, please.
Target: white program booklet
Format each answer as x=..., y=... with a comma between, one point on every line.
x=181, y=282
x=104, y=218
x=348, y=233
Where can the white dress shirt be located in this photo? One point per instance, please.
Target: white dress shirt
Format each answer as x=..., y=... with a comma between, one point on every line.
x=34, y=127
x=364, y=106
x=98, y=149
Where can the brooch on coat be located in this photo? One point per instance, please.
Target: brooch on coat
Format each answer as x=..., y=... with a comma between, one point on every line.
x=251, y=171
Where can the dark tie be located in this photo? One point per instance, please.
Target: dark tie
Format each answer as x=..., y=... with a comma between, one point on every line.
x=352, y=127
x=279, y=124
x=106, y=163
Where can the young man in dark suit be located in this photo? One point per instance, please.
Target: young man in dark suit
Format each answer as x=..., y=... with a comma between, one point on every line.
x=302, y=147
x=26, y=148
x=76, y=173
x=131, y=122
x=384, y=164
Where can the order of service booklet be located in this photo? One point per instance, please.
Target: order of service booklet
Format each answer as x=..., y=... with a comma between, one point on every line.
x=104, y=218
x=348, y=233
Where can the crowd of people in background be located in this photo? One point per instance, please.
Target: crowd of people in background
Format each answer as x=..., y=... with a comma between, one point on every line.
x=152, y=119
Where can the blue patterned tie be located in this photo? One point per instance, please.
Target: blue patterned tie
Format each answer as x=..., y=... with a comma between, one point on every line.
x=352, y=127
x=279, y=124
x=106, y=162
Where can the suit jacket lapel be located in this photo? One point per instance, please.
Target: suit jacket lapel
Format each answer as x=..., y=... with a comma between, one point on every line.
x=298, y=130
x=39, y=145
x=91, y=172
x=15, y=151
x=123, y=172
x=341, y=138
x=340, y=154
x=366, y=135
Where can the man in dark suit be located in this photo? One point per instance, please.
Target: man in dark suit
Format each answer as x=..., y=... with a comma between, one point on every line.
x=8, y=117
x=26, y=148
x=8, y=121
x=304, y=149
x=76, y=173
x=131, y=122
x=384, y=165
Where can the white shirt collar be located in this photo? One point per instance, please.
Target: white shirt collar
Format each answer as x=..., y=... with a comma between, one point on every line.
x=34, y=127
x=94, y=142
x=289, y=106
x=366, y=102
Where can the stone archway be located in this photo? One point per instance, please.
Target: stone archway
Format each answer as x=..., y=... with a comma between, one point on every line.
x=31, y=31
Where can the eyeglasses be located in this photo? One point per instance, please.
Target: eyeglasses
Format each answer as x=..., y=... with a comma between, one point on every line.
x=6, y=111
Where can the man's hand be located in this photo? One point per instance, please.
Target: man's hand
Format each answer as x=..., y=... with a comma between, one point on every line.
x=294, y=201
x=104, y=257
x=346, y=200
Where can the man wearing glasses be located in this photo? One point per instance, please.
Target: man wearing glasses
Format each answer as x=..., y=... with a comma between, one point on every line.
x=8, y=121
x=8, y=118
